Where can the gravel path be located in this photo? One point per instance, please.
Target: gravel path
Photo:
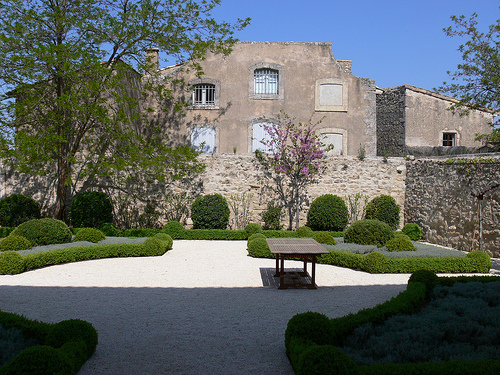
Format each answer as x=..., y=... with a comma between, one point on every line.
x=205, y=307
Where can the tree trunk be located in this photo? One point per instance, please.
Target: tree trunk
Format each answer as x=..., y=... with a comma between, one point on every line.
x=481, y=207
x=61, y=190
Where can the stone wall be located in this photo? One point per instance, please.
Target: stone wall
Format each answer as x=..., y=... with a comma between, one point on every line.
x=439, y=199
x=391, y=122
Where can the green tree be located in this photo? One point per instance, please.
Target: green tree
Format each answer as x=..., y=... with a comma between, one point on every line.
x=75, y=70
x=476, y=82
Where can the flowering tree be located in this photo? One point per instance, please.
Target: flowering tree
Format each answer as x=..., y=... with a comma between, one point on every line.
x=294, y=158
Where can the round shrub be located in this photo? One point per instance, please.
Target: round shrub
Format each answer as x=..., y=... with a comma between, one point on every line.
x=256, y=235
x=426, y=277
x=210, y=212
x=304, y=232
x=310, y=325
x=165, y=238
x=89, y=234
x=369, y=232
x=155, y=246
x=400, y=243
x=324, y=238
x=16, y=209
x=73, y=330
x=110, y=230
x=252, y=228
x=384, y=208
x=91, y=209
x=328, y=213
x=258, y=248
x=11, y=263
x=174, y=229
x=39, y=360
x=44, y=231
x=14, y=243
x=413, y=231
x=375, y=262
x=325, y=360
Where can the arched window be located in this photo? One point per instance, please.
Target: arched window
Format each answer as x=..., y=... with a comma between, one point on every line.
x=259, y=134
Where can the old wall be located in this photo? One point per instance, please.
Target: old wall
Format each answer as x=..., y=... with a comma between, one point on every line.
x=438, y=198
x=391, y=122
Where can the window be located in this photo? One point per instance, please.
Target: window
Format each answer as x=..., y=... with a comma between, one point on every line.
x=259, y=134
x=449, y=139
x=331, y=95
x=266, y=81
x=334, y=139
x=203, y=139
x=204, y=94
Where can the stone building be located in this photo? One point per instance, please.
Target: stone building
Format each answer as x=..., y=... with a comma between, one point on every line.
x=259, y=79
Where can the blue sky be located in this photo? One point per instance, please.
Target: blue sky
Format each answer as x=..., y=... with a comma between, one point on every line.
x=393, y=42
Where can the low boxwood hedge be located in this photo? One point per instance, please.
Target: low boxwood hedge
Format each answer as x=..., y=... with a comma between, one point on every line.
x=63, y=347
x=312, y=335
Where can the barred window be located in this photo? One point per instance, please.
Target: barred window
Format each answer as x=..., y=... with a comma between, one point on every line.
x=204, y=94
x=266, y=81
x=449, y=139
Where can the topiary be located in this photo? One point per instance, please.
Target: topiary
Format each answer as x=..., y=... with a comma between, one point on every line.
x=165, y=238
x=210, y=212
x=174, y=229
x=426, y=277
x=39, y=360
x=324, y=238
x=11, y=263
x=73, y=330
x=304, y=232
x=16, y=209
x=328, y=213
x=312, y=326
x=256, y=235
x=155, y=246
x=413, y=231
x=368, y=232
x=14, y=243
x=325, y=360
x=89, y=234
x=44, y=231
x=384, y=208
x=258, y=248
x=400, y=242
x=252, y=228
x=91, y=209
x=272, y=216
x=375, y=262
x=109, y=229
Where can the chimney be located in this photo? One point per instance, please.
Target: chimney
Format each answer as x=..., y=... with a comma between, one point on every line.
x=153, y=59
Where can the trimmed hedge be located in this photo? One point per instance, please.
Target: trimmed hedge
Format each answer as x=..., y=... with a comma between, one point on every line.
x=313, y=341
x=369, y=232
x=384, y=208
x=13, y=263
x=64, y=346
x=89, y=234
x=210, y=211
x=328, y=212
x=13, y=243
x=44, y=231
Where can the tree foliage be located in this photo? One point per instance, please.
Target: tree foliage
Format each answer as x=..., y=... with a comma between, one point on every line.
x=295, y=159
x=476, y=82
x=75, y=69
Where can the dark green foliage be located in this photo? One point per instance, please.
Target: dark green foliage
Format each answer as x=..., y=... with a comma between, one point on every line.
x=73, y=330
x=375, y=262
x=384, y=208
x=324, y=238
x=44, y=231
x=413, y=231
x=91, y=209
x=272, y=216
x=304, y=232
x=13, y=243
x=39, y=360
x=140, y=232
x=256, y=235
x=110, y=230
x=214, y=234
x=13, y=342
x=428, y=278
x=11, y=263
x=252, y=228
x=210, y=212
x=369, y=232
x=328, y=213
x=5, y=231
x=258, y=248
x=16, y=209
x=89, y=234
x=325, y=360
x=174, y=229
x=400, y=243
x=311, y=326
x=165, y=238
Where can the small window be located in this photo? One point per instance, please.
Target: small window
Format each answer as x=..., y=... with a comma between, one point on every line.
x=266, y=81
x=204, y=95
x=259, y=134
x=449, y=139
x=335, y=140
x=203, y=139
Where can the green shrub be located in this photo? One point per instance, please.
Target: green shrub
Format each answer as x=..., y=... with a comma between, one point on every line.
x=210, y=212
x=5, y=231
x=89, y=234
x=155, y=246
x=14, y=243
x=44, y=231
x=252, y=228
x=304, y=232
x=91, y=209
x=413, y=231
x=400, y=243
x=375, y=262
x=73, y=330
x=16, y=209
x=258, y=248
x=11, y=263
x=384, y=208
x=369, y=232
x=328, y=213
x=272, y=216
x=165, y=238
x=256, y=235
x=325, y=360
x=324, y=238
x=426, y=277
x=174, y=229
x=39, y=360
x=110, y=230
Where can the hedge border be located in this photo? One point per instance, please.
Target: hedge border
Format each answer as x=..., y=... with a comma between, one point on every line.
x=309, y=333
